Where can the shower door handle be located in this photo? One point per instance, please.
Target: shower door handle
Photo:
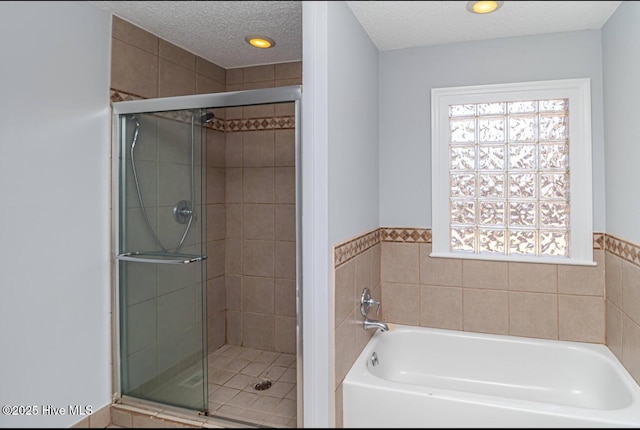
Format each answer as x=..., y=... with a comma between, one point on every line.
x=145, y=257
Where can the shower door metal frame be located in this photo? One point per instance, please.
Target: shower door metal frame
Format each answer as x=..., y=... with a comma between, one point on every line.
x=209, y=101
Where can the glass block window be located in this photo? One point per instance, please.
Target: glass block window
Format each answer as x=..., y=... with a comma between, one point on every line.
x=511, y=172
x=509, y=177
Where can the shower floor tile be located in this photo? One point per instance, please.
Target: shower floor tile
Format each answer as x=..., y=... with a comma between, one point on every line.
x=234, y=371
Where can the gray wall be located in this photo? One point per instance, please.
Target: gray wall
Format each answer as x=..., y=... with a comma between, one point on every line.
x=353, y=132
x=407, y=76
x=54, y=222
x=621, y=65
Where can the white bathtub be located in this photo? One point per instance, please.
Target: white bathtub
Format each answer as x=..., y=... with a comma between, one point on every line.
x=444, y=378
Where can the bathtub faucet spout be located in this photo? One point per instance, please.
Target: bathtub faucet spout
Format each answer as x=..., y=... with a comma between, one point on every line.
x=375, y=324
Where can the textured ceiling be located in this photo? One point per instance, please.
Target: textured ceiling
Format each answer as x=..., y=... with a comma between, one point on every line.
x=406, y=24
x=215, y=30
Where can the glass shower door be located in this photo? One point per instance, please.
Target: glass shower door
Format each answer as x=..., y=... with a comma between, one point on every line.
x=161, y=257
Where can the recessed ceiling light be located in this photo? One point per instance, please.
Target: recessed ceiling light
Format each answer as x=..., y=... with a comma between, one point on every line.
x=483, y=6
x=262, y=42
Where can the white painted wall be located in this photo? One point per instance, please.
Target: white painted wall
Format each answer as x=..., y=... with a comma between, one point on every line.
x=406, y=77
x=353, y=126
x=339, y=176
x=621, y=65
x=54, y=209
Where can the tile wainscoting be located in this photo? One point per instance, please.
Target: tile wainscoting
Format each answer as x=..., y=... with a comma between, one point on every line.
x=598, y=304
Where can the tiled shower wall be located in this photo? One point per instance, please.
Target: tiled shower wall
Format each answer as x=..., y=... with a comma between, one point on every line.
x=522, y=299
x=250, y=231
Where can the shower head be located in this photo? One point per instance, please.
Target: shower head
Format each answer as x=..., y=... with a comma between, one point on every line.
x=206, y=118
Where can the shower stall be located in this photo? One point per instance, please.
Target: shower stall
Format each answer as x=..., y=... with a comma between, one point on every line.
x=208, y=254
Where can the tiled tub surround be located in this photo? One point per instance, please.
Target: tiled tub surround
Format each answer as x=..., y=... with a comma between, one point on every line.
x=357, y=266
x=521, y=299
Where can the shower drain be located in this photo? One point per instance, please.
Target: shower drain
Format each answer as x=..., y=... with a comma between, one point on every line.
x=263, y=385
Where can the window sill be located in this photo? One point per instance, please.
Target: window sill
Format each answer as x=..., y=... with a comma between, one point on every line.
x=513, y=258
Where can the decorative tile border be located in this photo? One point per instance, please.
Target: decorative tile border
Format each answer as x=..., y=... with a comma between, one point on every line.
x=272, y=123
x=409, y=235
x=225, y=126
x=621, y=248
x=345, y=251
x=598, y=241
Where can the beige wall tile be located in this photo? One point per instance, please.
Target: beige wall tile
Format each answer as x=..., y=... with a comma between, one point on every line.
x=583, y=280
x=285, y=260
x=400, y=263
x=533, y=315
x=216, y=222
x=338, y=407
x=613, y=327
x=631, y=290
x=216, y=258
x=613, y=279
x=134, y=35
x=175, y=80
x=233, y=221
x=233, y=291
x=441, y=307
x=485, y=274
x=133, y=70
x=211, y=70
x=285, y=297
x=285, y=109
x=363, y=274
x=290, y=70
x=121, y=418
x=581, y=318
x=631, y=347
x=257, y=294
x=344, y=292
x=285, y=178
x=375, y=264
x=485, y=311
x=532, y=277
x=285, y=148
x=287, y=82
x=285, y=222
x=257, y=330
x=257, y=111
x=215, y=148
x=234, y=327
x=100, y=418
x=285, y=334
x=258, y=148
x=258, y=221
x=216, y=331
x=344, y=348
x=234, y=76
x=233, y=185
x=257, y=85
x=258, y=257
x=215, y=185
x=233, y=256
x=258, y=185
x=439, y=271
x=216, y=295
x=258, y=73
x=401, y=304
x=231, y=88
x=177, y=55
x=206, y=85
x=233, y=149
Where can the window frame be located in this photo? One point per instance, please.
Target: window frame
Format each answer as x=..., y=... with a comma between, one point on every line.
x=578, y=91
